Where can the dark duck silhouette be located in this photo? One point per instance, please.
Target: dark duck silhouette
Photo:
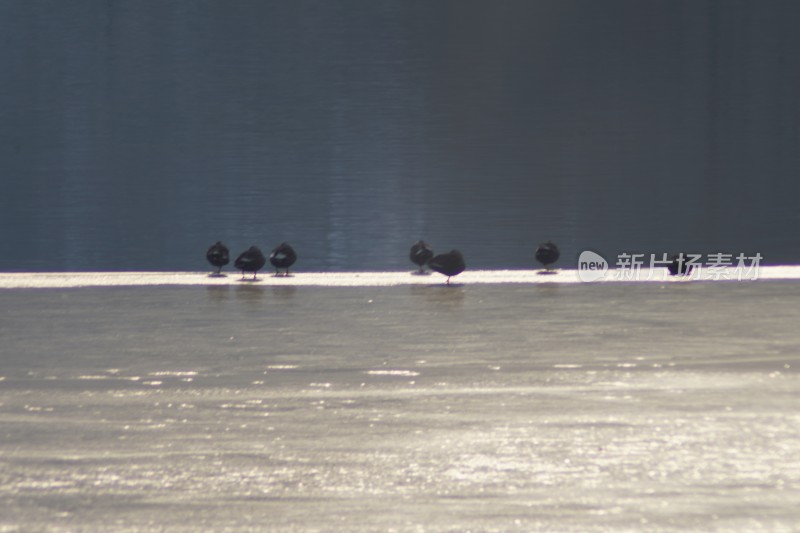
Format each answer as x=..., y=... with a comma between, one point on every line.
x=679, y=265
x=282, y=256
x=421, y=253
x=450, y=264
x=218, y=256
x=251, y=260
x=547, y=253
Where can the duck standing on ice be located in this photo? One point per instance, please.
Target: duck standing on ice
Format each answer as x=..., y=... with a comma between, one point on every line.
x=680, y=265
x=283, y=256
x=218, y=256
x=421, y=253
x=547, y=253
x=251, y=260
x=450, y=264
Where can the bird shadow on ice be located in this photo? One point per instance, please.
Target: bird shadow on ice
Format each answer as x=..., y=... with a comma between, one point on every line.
x=547, y=290
x=284, y=293
x=218, y=292
x=440, y=293
x=250, y=293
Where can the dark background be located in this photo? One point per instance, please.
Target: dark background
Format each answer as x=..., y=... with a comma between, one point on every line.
x=133, y=134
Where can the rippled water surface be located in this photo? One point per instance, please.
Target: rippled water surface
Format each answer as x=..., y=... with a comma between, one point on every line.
x=624, y=407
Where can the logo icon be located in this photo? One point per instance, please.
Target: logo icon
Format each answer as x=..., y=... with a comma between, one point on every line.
x=591, y=266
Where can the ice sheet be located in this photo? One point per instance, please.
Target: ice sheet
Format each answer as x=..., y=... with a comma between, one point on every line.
x=604, y=407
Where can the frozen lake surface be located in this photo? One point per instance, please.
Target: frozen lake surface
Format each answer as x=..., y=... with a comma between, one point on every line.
x=487, y=406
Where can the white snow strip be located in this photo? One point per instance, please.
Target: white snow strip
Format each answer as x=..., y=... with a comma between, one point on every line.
x=42, y=280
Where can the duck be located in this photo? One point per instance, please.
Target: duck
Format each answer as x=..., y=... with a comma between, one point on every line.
x=450, y=264
x=679, y=265
x=547, y=253
x=421, y=253
x=283, y=256
x=219, y=256
x=251, y=260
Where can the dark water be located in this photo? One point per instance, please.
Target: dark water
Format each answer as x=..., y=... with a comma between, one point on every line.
x=135, y=134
